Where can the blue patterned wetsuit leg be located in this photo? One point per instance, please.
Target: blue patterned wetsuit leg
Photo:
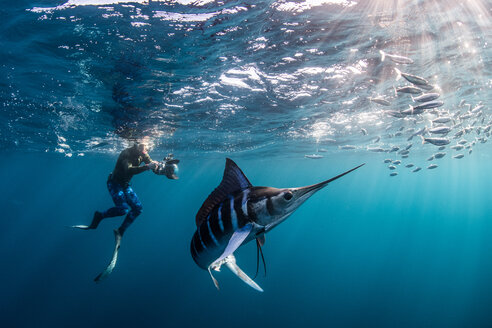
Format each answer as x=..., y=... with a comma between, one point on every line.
x=126, y=201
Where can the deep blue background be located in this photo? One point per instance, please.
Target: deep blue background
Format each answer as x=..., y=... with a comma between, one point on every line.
x=264, y=85
x=369, y=250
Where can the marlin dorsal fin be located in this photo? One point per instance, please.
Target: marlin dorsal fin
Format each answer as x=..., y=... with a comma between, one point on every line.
x=233, y=180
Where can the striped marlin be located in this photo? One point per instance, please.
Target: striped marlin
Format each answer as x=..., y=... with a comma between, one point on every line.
x=236, y=213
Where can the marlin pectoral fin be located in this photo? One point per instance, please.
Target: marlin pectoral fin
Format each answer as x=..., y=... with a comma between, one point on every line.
x=230, y=261
x=236, y=240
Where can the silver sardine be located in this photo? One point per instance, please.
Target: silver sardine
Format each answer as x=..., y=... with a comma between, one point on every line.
x=417, y=80
x=409, y=89
x=440, y=130
x=380, y=101
x=435, y=141
x=426, y=97
x=395, y=58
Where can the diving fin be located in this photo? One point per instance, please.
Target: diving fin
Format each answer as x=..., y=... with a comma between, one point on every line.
x=230, y=261
x=103, y=275
x=98, y=217
x=81, y=226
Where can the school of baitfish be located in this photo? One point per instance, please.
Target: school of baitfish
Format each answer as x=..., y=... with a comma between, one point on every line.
x=440, y=125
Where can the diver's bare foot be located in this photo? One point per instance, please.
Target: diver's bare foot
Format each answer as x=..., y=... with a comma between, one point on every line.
x=98, y=216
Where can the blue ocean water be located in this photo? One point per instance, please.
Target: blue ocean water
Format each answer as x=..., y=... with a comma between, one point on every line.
x=264, y=83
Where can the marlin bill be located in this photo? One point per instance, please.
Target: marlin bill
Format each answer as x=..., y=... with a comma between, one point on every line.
x=236, y=213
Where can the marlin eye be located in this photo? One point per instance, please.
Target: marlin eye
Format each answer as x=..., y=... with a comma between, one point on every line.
x=288, y=196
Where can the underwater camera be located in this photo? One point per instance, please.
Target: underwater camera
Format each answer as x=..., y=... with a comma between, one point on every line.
x=168, y=167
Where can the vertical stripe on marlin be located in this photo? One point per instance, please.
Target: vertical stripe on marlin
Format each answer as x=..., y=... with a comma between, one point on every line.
x=198, y=245
x=244, y=203
x=251, y=212
x=207, y=238
x=211, y=233
x=200, y=237
x=194, y=252
x=215, y=225
x=269, y=206
x=242, y=217
x=219, y=218
x=226, y=216
x=233, y=214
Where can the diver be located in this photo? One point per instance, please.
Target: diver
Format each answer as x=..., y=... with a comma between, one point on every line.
x=125, y=199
